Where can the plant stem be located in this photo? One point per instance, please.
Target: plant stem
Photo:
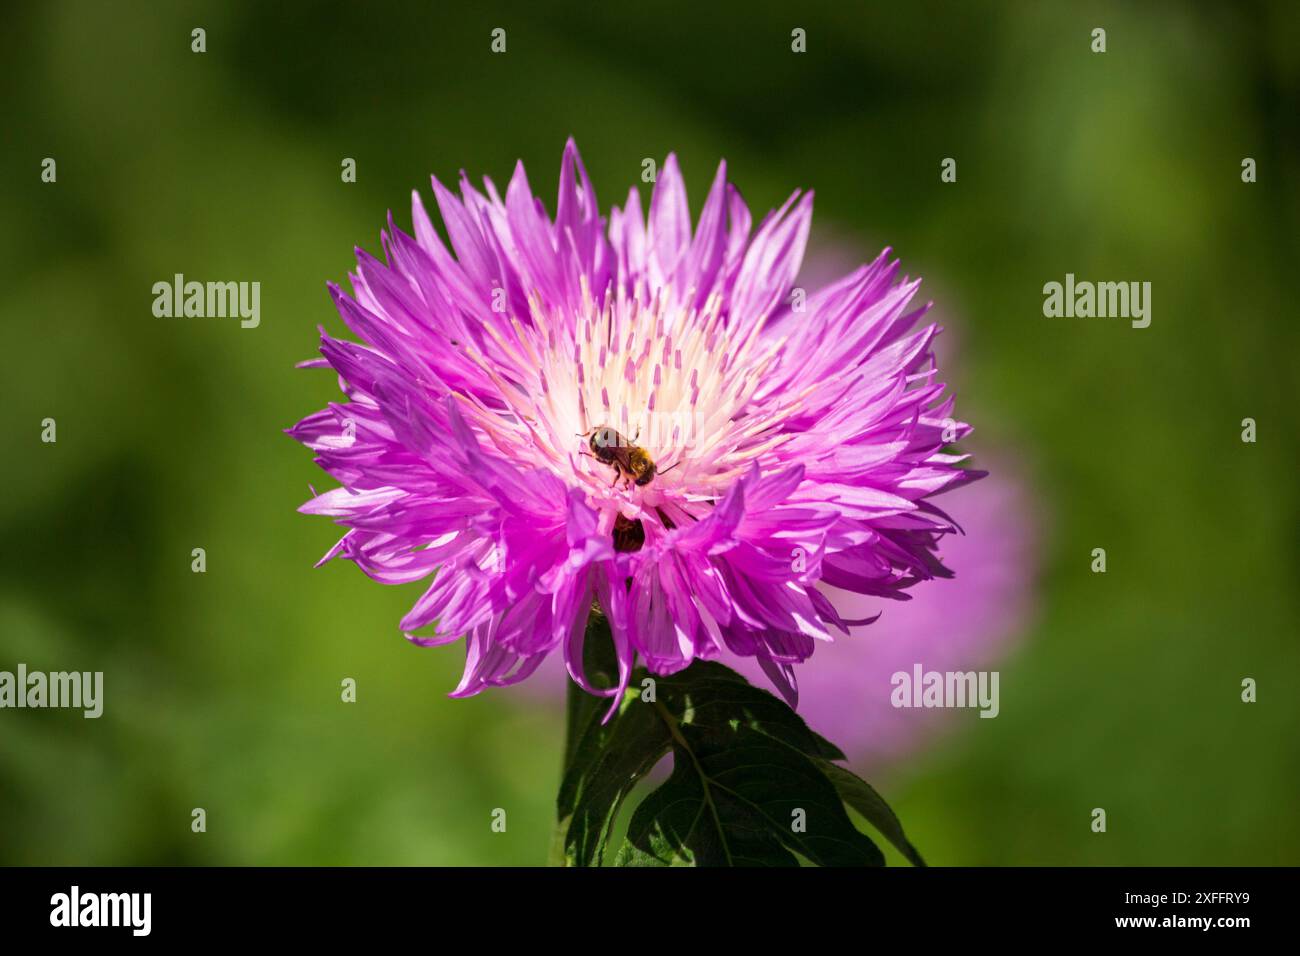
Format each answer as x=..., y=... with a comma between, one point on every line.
x=600, y=665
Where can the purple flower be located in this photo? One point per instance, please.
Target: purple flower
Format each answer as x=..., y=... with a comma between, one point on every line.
x=635, y=414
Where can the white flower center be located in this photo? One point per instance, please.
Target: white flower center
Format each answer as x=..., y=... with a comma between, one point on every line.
x=676, y=383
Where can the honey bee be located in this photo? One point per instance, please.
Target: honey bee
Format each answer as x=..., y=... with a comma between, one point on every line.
x=629, y=460
x=629, y=534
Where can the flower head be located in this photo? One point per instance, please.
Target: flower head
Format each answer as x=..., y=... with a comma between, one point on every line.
x=635, y=414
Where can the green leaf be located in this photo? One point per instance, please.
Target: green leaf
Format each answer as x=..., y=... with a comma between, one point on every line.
x=752, y=784
x=603, y=760
x=745, y=788
x=862, y=797
x=743, y=800
x=628, y=748
x=709, y=696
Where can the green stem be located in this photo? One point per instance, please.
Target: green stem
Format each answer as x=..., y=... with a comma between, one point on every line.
x=600, y=664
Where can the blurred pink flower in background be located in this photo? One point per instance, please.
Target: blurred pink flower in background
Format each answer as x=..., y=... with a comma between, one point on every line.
x=964, y=623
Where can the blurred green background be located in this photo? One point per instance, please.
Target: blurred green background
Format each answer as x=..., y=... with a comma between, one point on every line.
x=222, y=689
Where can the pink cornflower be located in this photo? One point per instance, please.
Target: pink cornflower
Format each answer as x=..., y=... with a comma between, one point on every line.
x=634, y=414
